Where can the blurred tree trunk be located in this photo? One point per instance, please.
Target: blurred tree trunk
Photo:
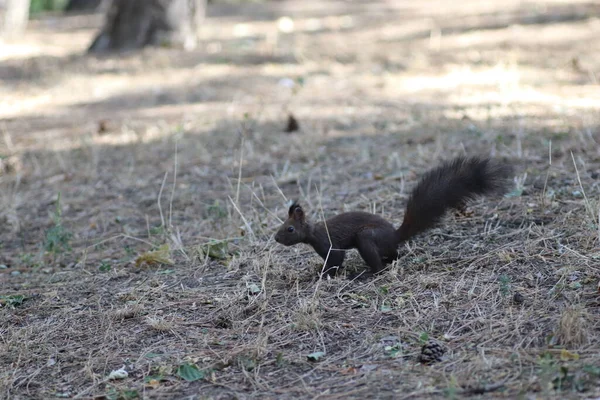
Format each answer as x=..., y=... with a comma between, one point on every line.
x=133, y=24
x=13, y=16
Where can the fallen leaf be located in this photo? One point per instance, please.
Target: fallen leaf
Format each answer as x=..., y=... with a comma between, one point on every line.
x=253, y=289
x=189, y=372
x=566, y=355
x=153, y=383
x=349, y=371
x=118, y=374
x=12, y=300
x=218, y=250
x=159, y=256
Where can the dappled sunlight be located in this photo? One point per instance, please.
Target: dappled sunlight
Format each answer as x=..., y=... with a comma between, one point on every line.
x=501, y=84
x=576, y=98
x=140, y=193
x=44, y=39
x=498, y=77
x=19, y=51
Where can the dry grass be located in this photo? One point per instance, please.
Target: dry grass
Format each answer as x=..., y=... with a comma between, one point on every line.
x=188, y=150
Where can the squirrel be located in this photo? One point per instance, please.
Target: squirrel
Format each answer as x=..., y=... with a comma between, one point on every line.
x=451, y=185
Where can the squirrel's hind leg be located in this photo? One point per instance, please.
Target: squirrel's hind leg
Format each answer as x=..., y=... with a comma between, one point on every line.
x=369, y=252
x=390, y=258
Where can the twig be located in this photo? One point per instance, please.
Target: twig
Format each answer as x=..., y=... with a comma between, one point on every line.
x=330, y=244
x=173, y=189
x=162, y=186
x=279, y=189
x=237, y=191
x=587, y=202
x=263, y=205
x=547, y=173
x=248, y=227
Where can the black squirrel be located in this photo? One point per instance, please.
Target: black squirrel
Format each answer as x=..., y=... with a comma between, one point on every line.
x=449, y=186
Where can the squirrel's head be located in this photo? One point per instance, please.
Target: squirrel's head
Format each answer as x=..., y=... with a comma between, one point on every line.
x=293, y=230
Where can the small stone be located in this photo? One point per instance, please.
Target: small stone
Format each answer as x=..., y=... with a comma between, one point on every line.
x=518, y=298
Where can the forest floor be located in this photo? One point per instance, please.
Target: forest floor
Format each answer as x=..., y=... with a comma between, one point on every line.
x=139, y=194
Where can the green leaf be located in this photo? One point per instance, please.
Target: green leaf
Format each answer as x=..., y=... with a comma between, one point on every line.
x=424, y=338
x=157, y=230
x=217, y=250
x=393, y=351
x=128, y=394
x=217, y=210
x=189, y=372
x=57, y=237
x=280, y=360
x=592, y=370
x=316, y=356
x=104, y=267
x=152, y=355
x=504, y=282
x=112, y=394
x=13, y=300
x=248, y=363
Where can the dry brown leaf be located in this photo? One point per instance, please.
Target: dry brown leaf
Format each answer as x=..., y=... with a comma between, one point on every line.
x=162, y=255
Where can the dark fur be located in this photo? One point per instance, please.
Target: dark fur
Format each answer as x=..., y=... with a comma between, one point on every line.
x=292, y=208
x=450, y=186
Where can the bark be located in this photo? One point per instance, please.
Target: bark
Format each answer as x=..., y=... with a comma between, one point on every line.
x=14, y=15
x=133, y=24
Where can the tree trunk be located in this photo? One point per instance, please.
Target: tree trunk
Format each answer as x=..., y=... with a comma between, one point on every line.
x=133, y=24
x=13, y=16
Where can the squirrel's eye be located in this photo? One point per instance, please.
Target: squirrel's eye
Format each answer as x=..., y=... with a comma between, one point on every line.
x=290, y=229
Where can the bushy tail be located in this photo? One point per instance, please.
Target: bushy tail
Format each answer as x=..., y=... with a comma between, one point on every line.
x=451, y=186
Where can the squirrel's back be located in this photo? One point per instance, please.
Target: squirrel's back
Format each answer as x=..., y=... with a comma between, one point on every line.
x=347, y=225
x=451, y=186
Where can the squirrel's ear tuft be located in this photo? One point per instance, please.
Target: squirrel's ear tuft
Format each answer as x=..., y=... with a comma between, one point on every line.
x=293, y=208
x=296, y=212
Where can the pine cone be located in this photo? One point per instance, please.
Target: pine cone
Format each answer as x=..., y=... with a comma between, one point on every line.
x=431, y=352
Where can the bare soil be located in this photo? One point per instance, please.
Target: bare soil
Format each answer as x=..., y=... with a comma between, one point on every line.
x=105, y=159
